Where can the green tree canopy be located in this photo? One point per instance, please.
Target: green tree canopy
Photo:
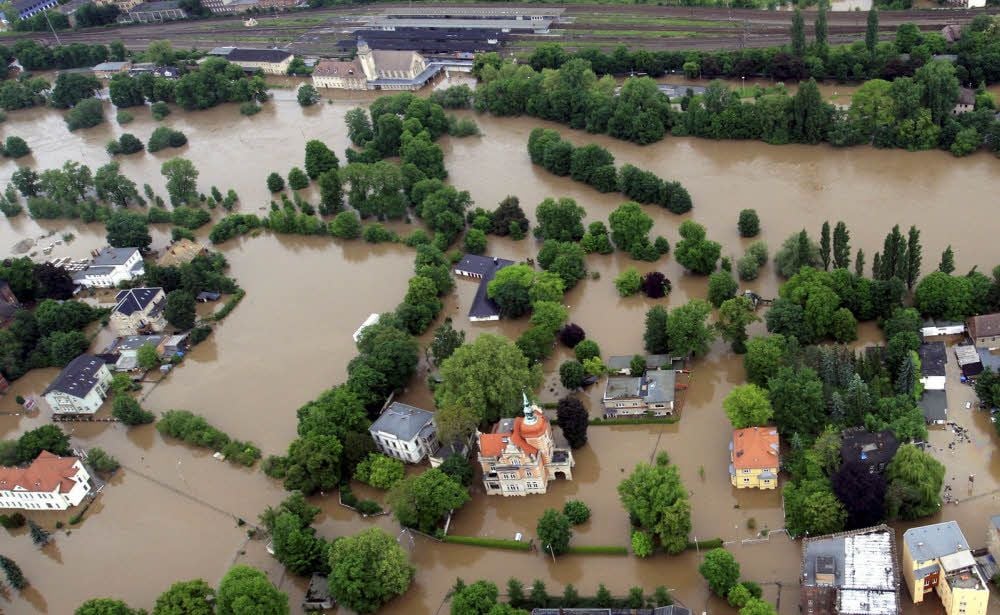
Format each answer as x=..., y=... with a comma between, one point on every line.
x=423, y=501
x=186, y=598
x=656, y=498
x=247, y=591
x=721, y=570
x=367, y=570
x=747, y=405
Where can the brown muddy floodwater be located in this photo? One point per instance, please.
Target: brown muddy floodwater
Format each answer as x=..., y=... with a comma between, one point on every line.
x=171, y=513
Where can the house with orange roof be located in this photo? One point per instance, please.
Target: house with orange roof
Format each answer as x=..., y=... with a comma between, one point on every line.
x=754, y=458
x=51, y=482
x=519, y=457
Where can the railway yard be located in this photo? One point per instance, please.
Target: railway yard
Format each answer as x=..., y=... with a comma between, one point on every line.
x=323, y=31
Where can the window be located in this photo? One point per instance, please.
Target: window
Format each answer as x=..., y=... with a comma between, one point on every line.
x=746, y=480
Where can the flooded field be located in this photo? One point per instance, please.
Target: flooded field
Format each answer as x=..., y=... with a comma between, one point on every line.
x=171, y=513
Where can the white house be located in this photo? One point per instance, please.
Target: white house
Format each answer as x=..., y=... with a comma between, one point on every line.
x=80, y=387
x=139, y=310
x=49, y=483
x=111, y=266
x=406, y=433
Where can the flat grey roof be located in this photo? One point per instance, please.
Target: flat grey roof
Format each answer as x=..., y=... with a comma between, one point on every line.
x=112, y=256
x=864, y=569
x=134, y=342
x=934, y=405
x=402, y=420
x=933, y=357
x=933, y=541
x=620, y=387
x=475, y=10
x=258, y=55
x=653, y=361
x=660, y=385
x=491, y=24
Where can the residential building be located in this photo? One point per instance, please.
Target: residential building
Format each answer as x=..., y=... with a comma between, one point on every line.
x=934, y=405
x=28, y=8
x=984, y=330
x=754, y=458
x=404, y=432
x=110, y=267
x=317, y=596
x=938, y=557
x=229, y=7
x=673, y=609
x=9, y=305
x=966, y=96
x=850, y=573
x=622, y=365
x=270, y=61
x=107, y=70
x=874, y=451
x=154, y=12
x=520, y=457
x=127, y=349
x=481, y=268
x=969, y=360
x=339, y=75
x=49, y=483
x=139, y=310
x=933, y=358
x=80, y=388
x=652, y=393
x=934, y=328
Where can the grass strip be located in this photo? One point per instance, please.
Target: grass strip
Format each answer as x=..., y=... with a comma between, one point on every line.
x=598, y=550
x=492, y=543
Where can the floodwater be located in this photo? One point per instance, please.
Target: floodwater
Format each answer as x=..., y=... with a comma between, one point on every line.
x=171, y=513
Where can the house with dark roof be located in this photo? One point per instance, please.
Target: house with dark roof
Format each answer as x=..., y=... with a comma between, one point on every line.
x=933, y=357
x=482, y=268
x=270, y=61
x=874, y=451
x=154, y=12
x=984, y=330
x=652, y=393
x=139, y=310
x=934, y=405
x=80, y=388
x=405, y=432
x=49, y=483
x=28, y=8
x=966, y=101
x=938, y=558
x=111, y=266
x=850, y=573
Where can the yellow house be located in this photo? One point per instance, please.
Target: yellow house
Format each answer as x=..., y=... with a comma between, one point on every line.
x=754, y=460
x=938, y=556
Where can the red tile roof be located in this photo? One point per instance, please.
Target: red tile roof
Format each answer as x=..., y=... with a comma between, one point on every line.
x=492, y=444
x=755, y=448
x=45, y=473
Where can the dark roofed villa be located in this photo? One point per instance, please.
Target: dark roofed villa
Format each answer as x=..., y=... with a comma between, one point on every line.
x=872, y=450
x=135, y=299
x=482, y=268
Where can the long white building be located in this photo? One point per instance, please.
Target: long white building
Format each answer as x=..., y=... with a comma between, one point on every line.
x=111, y=266
x=49, y=483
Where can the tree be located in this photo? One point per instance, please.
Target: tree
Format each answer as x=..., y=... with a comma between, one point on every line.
x=811, y=506
x=571, y=374
x=319, y=159
x=86, y=114
x=721, y=570
x=642, y=543
x=871, y=32
x=38, y=536
x=367, y=570
x=824, y=245
x=25, y=180
x=446, y=340
x=862, y=494
x=747, y=405
x=148, y=356
x=182, y=180
x=554, y=532
x=798, y=39
x=748, y=224
x=756, y=606
x=735, y=315
x=128, y=229
x=563, y=258
x=687, y=329
x=346, y=225
x=510, y=288
x=841, y=246
x=655, y=285
x=939, y=295
x=941, y=88
x=654, y=497
x=476, y=599
x=694, y=252
x=127, y=410
x=656, y=340
x=275, y=182
x=307, y=96
x=576, y=511
x=186, y=598
x=15, y=147
x=125, y=91
x=629, y=226
x=313, y=463
x=821, y=30
x=797, y=399
x=915, y=479
x=331, y=193
x=571, y=335
x=628, y=282
x=423, y=501
x=45, y=438
x=112, y=186
x=180, y=309
x=106, y=606
x=245, y=591
x=380, y=471
x=573, y=420
x=359, y=127
x=561, y=220
x=796, y=252
x=101, y=461
x=297, y=179
x=297, y=547
x=947, y=264
x=721, y=286
x=13, y=573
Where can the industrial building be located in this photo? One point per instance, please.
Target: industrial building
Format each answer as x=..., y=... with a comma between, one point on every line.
x=514, y=19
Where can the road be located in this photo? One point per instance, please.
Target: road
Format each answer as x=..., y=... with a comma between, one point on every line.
x=317, y=31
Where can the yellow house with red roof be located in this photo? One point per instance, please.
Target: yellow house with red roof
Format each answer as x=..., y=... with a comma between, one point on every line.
x=754, y=458
x=519, y=456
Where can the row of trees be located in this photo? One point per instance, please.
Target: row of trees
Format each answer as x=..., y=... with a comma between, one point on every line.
x=215, y=82
x=483, y=598
x=594, y=165
x=50, y=336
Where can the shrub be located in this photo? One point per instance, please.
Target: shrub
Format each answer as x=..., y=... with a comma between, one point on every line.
x=12, y=521
x=571, y=374
x=244, y=453
x=346, y=225
x=15, y=147
x=159, y=110
x=587, y=349
x=758, y=251
x=129, y=412
x=475, y=241
x=628, y=282
x=376, y=233
x=642, y=543
x=368, y=507
x=656, y=285
x=250, y=108
x=576, y=511
x=379, y=471
x=571, y=335
x=495, y=543
x=297, y=179
x=101, y=461
x=164, y=137
x=124, y=117
x=85, y=114
x=749, y=223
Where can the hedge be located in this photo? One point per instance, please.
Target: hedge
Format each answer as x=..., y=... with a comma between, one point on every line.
x=493, y=543
x=712, y=543
x=598, y=550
